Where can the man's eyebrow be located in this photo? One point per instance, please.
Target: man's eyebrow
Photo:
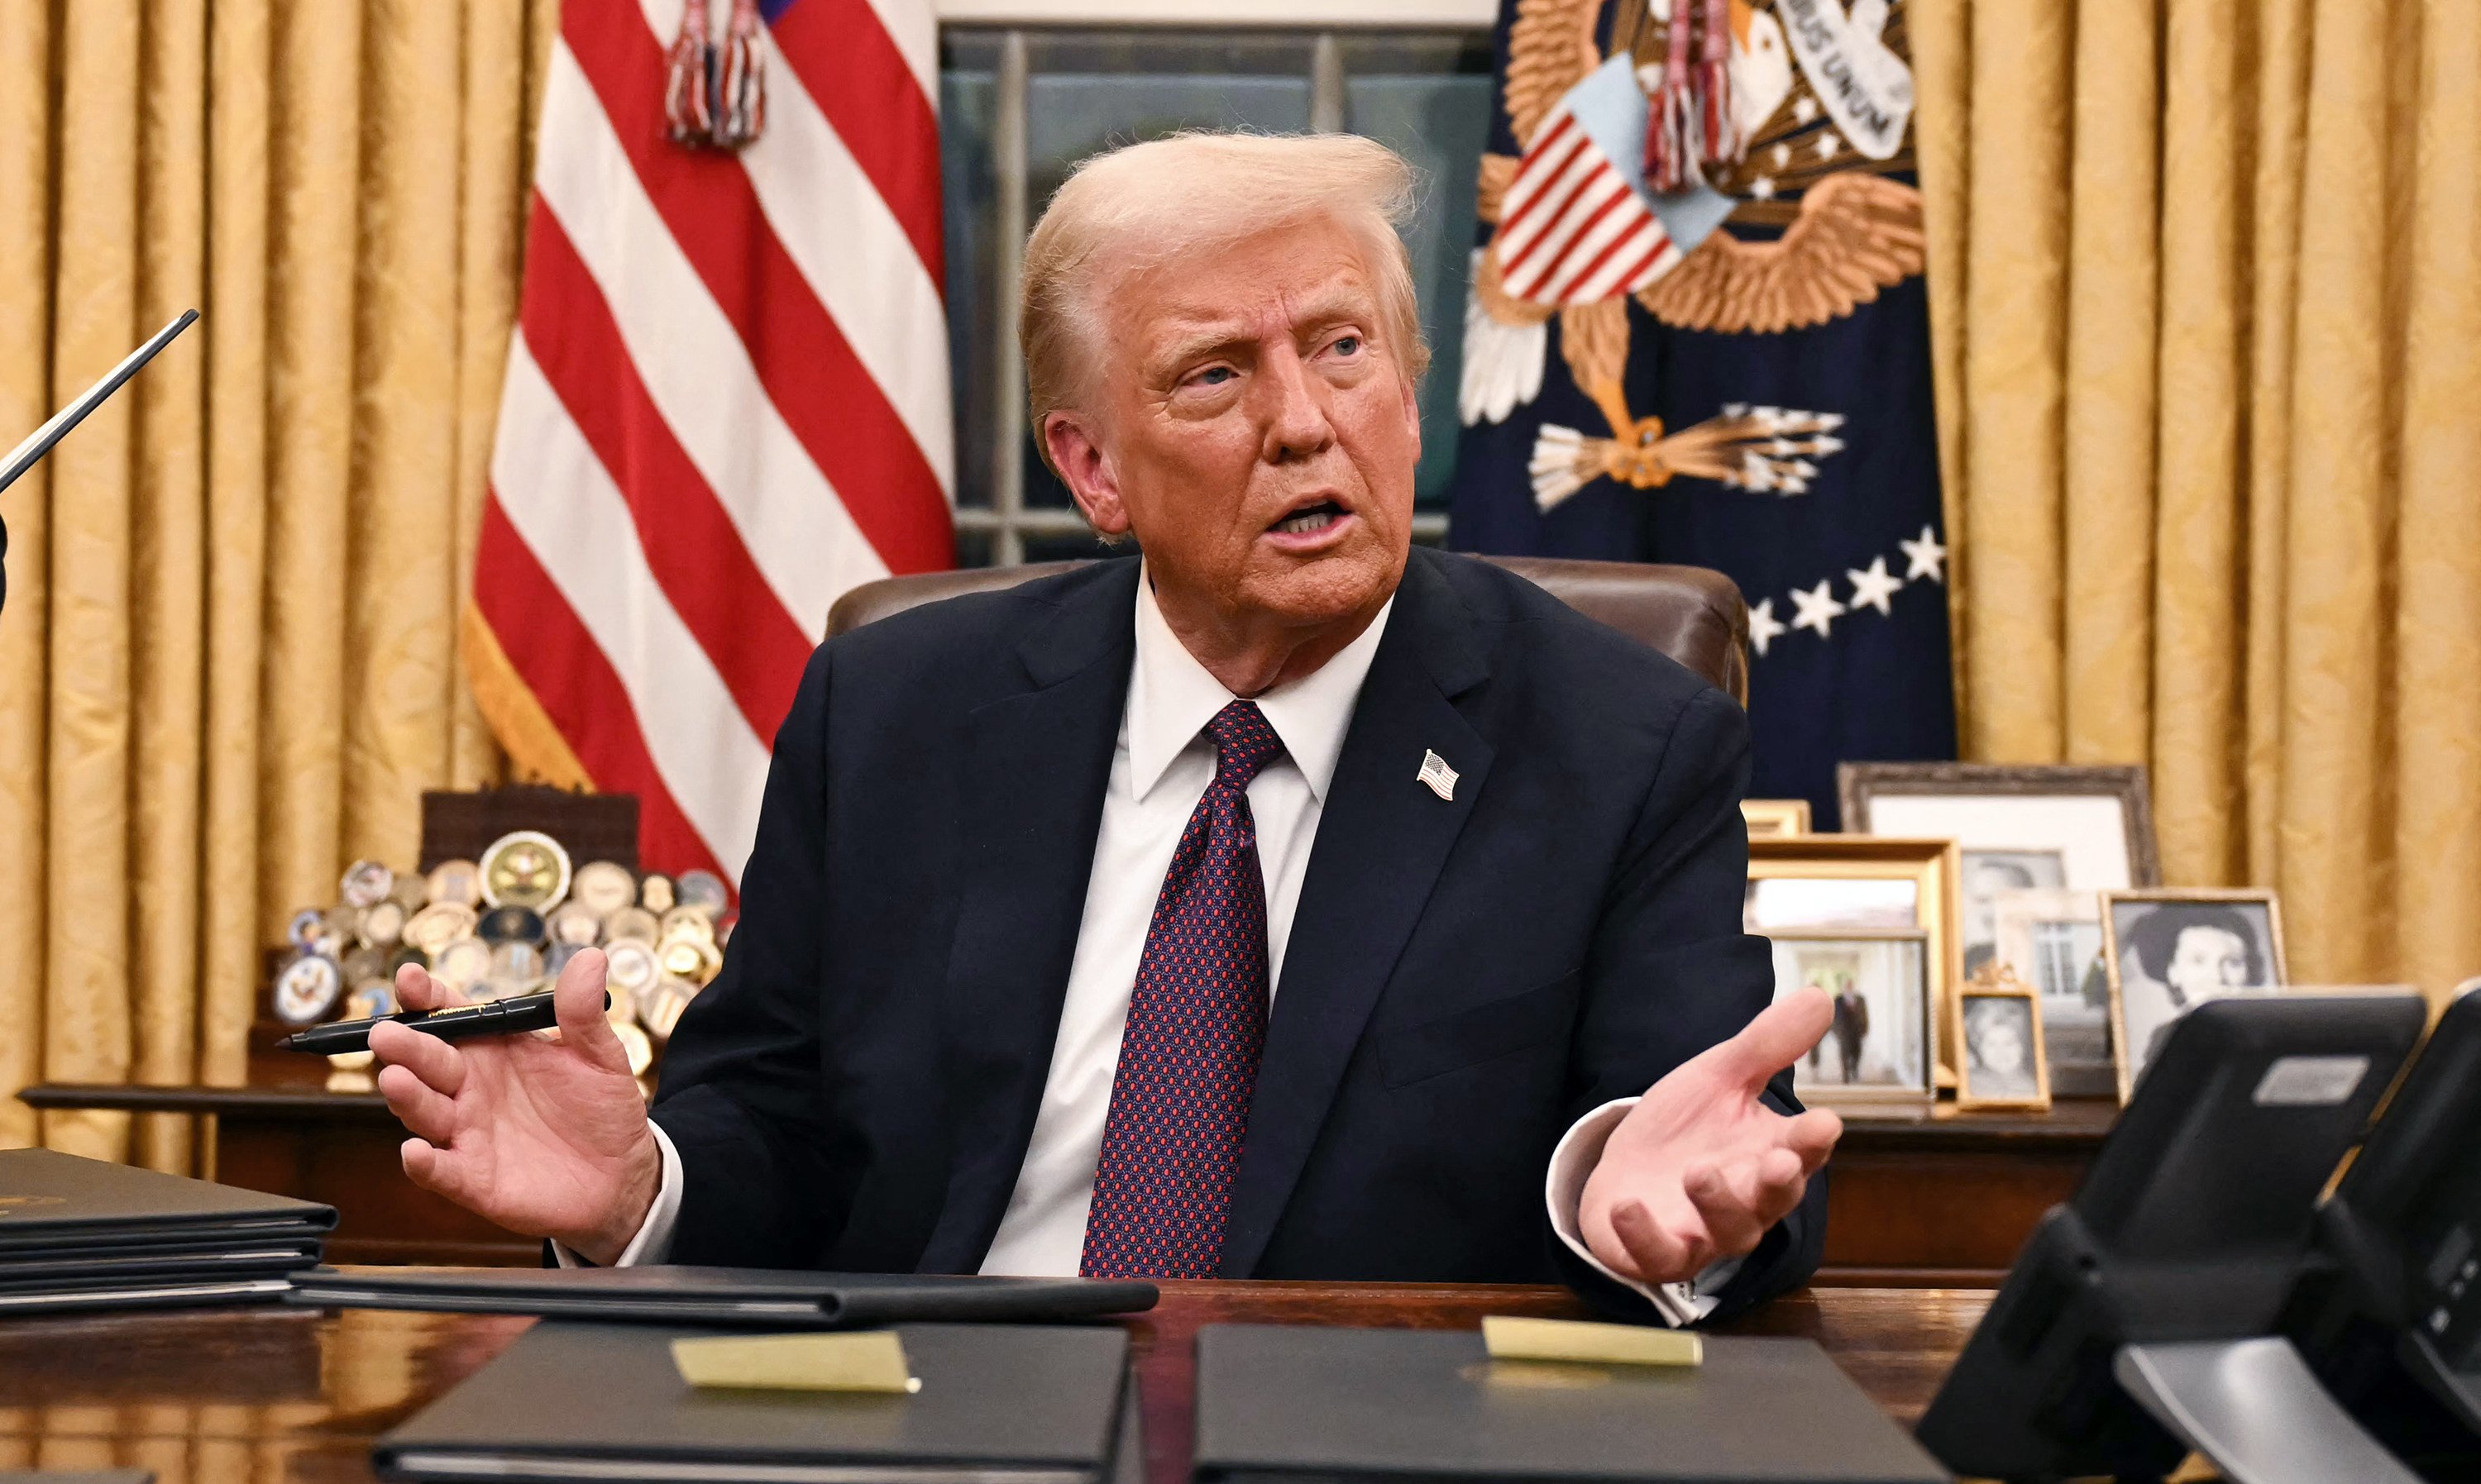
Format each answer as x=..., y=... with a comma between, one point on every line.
x=1328, y=307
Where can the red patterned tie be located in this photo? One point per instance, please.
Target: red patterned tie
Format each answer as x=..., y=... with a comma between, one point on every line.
x=1197, y=1020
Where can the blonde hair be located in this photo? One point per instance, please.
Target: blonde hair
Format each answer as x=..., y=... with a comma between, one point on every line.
x=1141, y=205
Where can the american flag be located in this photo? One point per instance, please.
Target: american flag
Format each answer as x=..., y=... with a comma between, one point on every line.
x=726, y=404
x=1574, y=228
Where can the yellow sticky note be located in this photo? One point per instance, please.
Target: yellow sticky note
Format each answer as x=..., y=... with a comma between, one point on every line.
x=1572, y=1340
x=857, y=1361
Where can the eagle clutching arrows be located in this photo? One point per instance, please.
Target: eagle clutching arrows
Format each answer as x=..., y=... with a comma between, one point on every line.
x=1721, y=104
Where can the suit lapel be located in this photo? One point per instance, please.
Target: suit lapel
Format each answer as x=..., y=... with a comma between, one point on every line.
x=1382, y=838
x=1040, y=762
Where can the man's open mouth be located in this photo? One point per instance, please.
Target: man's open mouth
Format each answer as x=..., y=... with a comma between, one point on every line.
x=1309, y=518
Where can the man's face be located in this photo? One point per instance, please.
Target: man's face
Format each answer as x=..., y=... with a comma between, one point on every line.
x=2205, y=962
x=1254, y=428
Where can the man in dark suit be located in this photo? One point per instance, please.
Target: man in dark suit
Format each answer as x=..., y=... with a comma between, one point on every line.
x=1286, y=904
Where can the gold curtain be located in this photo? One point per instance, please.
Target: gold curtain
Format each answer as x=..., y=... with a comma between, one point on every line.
x=2205, y=327
x=227, y=657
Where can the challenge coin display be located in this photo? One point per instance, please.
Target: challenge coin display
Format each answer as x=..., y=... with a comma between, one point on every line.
x=525, y=869
x=307, y=989
x=604, y=887
x=457, y=882
x=504, y=925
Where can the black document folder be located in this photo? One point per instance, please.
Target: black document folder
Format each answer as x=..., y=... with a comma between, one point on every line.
x=754, y=1296
x=1007, y=1404
x=80, y=1235
x=1285, y=1405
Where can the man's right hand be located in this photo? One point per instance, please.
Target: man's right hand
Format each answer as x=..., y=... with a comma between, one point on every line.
x=546, y=1133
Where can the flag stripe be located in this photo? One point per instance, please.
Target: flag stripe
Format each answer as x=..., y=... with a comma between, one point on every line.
x=689, y=540
x=707, y=210
x=850, y=68
x=1646, y=267
x=561, y=500
x=817, y=218
x=577, y=690
x=1607, y=198
x=1561, y=180
x=1551, y=153
x=797, y=523
x=1599, y=185
x=1610, y=225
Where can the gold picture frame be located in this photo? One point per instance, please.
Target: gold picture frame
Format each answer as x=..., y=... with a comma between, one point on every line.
x=2134, y=1031
x=2009, y=1006
x=1775, y=818
x=1929, y=865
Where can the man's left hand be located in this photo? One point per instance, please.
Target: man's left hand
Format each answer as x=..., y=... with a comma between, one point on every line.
x=1699, y=1168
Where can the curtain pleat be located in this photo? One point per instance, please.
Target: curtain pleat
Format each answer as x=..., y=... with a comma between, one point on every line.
x=2218, y=474
x=227, y=658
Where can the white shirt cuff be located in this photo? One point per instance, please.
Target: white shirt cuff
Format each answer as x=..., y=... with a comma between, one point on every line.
x=1579, y=1150
x=654, y=1238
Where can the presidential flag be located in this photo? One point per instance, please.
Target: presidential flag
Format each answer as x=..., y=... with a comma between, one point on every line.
x=1697, y=333
x=726, y=400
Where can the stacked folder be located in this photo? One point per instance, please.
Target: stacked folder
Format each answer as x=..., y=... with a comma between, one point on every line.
x=81, y=1233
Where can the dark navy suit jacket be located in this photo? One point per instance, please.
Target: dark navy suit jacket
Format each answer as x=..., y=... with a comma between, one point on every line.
x=1465, y=977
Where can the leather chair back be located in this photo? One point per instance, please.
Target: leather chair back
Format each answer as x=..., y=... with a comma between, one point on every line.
x=1693, y=614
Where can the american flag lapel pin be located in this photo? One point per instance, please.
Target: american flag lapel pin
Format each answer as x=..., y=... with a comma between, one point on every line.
x=1437, y=775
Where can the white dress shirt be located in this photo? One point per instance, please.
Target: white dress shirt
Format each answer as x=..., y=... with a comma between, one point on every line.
x=1160, y=766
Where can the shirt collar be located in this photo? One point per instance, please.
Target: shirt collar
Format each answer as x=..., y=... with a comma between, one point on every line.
x=1171, y=697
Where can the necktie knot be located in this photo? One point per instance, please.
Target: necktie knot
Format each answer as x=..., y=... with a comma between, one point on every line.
x=1243, y=743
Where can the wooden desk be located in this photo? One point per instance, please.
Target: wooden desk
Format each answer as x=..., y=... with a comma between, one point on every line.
x=288, y=1397
x=1915, y=1199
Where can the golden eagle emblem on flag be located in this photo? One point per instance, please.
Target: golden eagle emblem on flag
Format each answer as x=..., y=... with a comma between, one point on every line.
x=1786, y=120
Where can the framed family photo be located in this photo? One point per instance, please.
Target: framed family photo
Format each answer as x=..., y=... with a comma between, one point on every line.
x=1842, y=909
x=1998, y=1031
x=1878, y=1047
x=2168, y=952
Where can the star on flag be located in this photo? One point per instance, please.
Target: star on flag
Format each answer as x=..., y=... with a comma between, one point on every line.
x=1818, y=607
x=1927, y=557
x=1873, y=588
x=1765, y=628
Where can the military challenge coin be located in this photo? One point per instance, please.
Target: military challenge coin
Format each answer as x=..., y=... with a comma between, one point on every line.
x=457, y=882
x=306, y=989
x=604, y=887
x=366, y=884
x=525, y=869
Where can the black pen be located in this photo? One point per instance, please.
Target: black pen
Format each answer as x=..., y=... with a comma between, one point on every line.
x=489, y=1017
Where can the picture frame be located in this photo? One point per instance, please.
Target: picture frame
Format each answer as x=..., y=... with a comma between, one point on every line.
x=1860, y=885
x=2052, y=940
x=2100, y=818
x=2166, y=949
x=2002, y=1061
x=1880, y=1047
x=1775, y=817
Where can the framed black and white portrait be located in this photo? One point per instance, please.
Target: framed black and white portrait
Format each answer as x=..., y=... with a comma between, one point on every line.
x=1998, y=1027
x=1878, y=1047
x=2168, y=952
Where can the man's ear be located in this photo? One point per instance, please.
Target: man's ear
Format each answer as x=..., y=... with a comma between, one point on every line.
x=1077, y=456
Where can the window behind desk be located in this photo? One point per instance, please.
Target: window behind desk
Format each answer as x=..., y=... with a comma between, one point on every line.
x=1020, y=106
